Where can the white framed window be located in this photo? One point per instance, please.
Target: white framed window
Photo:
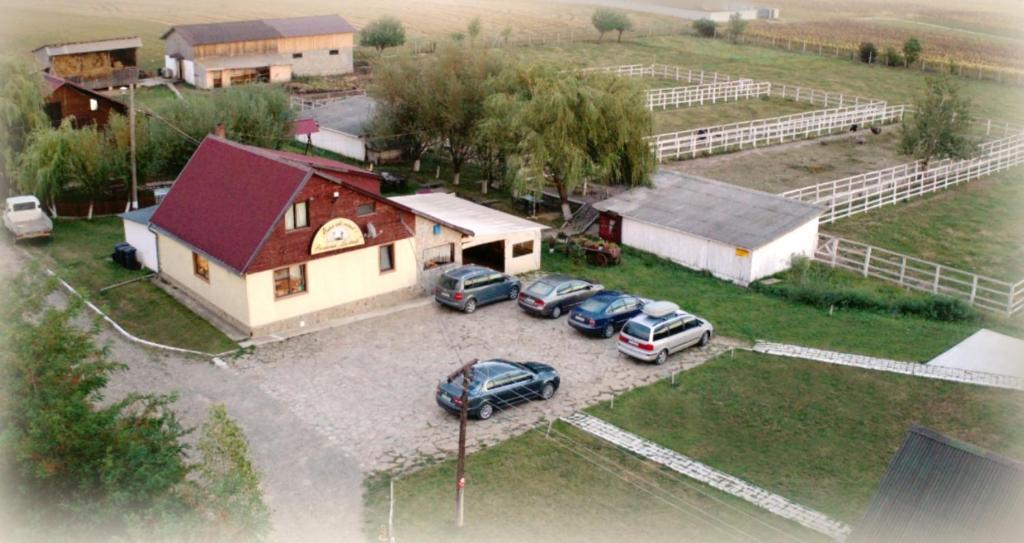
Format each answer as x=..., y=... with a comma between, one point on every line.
x=297, y=216
x=94, y=104
x=290, y=280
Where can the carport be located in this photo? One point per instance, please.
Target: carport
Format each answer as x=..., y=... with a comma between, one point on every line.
x=490, y=237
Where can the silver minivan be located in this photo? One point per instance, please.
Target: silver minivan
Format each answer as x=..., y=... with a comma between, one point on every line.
x=662, y=329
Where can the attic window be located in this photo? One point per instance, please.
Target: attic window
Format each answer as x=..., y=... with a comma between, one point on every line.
x=332, y=52
x=297, y=216
x=365, y=209
x=94, y=104
x=296, y=55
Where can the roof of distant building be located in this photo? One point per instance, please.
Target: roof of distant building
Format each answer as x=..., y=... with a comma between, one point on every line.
x=261, y=29
x=72, y=48
x=353, y=116
x=141, y=215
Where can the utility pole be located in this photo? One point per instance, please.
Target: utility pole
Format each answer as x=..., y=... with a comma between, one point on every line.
x=460, y=471
x=131, y=137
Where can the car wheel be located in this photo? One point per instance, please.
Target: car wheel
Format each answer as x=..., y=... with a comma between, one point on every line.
x=485, y=411
x=556, y=312
x=470, y=305
x=609, y=330
x=547, y=391
x=705, y=339
x=662, y=357
x=513, y=293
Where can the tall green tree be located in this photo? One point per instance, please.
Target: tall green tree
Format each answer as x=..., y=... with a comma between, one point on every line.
x=912, y=50
x=737, y=26
x=610, y=20
x=21, y=112
x=940, y=125
x=382, y=33
x=405, y=111
x=567, y=128
x=48, y=164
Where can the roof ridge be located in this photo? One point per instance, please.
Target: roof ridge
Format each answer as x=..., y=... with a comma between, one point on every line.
x=966, y=447
x=738, y=187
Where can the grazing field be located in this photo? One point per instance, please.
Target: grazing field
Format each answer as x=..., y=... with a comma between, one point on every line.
x=780, y=168
x=80, y=254
x=683, y=118
x=568, y=487
x=976, y=227
x=819, y=434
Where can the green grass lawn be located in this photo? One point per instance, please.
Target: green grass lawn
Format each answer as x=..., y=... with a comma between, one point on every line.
x=739, y=312
x=816, y=433
x=79, y=253
x=534, y=487
x=683, y=118
x=975, y=227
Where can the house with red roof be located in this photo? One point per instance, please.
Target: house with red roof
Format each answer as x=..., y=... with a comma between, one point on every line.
x=271, y=240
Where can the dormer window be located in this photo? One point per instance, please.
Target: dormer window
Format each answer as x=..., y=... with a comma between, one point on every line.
x=297, y=216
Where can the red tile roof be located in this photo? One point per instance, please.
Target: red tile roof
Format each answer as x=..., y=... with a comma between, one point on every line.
x=230, y=196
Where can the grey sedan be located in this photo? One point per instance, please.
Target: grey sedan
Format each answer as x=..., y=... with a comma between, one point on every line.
x=467, y=287
x=553, y=295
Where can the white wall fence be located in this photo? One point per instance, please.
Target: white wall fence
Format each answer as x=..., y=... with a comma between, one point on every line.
x=711, y=93
x=921, y=275
x=864, y=192
x=770, y=131
x=306, y=102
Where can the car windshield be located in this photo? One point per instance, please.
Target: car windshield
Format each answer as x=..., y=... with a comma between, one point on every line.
x=24, y=206
x=594, y=305
x=637, y=330
x=449, y=283
x=540, y=288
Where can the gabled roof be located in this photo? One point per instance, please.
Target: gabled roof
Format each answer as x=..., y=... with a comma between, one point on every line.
x=712, y=210
x=229, y=197
x=261, y=29
x=938, y=489
x=72, y=48
x=53, y=83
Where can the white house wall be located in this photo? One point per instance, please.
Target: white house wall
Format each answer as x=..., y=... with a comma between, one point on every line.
x=690, y=251
x=144, y=241
x=189, y=69
x=778, y=255
x=338, y=142
x=513, y=265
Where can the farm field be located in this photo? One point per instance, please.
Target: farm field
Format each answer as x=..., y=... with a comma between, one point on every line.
x=572, y=485
x=975, y=227
x=683, y=118
x=824, y=434
x=780, y=168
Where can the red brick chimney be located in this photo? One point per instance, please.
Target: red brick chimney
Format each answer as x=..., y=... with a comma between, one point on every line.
x=219, y=131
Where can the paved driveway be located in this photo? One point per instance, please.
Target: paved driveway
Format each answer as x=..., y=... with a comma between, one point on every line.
x=368, y=387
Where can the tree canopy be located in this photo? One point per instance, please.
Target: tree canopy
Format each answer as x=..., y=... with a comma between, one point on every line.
x=737, y=26
x=566, y=128
x=382, y=33
x=21, y=110
x=705, y=27
x=940, y=125
x=609, y=20
x=912, y=50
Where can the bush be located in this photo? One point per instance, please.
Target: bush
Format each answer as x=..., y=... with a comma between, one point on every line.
x=912, y=50
x=705, y=27
x=868, y=52
x=892, y=57
x=817, y=285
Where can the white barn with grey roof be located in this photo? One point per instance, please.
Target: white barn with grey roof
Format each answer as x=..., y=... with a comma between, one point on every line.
x=344, y=126
x=735, y=233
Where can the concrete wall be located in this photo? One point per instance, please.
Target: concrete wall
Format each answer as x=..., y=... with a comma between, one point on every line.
x=321, y=62
x=426, y=239
x=338, y=142
x=225, y=292
x=144, y=241
x=778, y=255
x=690, y=251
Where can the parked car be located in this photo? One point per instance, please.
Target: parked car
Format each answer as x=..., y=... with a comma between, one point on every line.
x=662, y=329
x=24, y=217
x=552, y=295
x=467, y=287
x=605, y=313
x=497, y=384
x=392, y=182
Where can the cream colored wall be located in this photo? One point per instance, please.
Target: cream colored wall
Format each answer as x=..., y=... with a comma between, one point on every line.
x=517, y=265
x=224, y=291
x=332, y=281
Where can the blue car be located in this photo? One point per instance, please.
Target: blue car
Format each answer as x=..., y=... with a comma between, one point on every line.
x=605, y=313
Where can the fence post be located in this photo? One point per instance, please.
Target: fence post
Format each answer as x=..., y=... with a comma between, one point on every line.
x=835, y=251
x=903, y=268
x=867, y=261
x=974, y=289
x=938, y=272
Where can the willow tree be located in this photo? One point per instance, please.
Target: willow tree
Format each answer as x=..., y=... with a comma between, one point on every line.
x=21, y=110
x=565, y=128
x=48, y=163
x=940, y=125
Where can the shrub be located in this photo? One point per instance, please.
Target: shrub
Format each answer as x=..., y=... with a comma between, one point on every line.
x=892, y=57
x=868, y=52
x=705, y=27
x=912, y=50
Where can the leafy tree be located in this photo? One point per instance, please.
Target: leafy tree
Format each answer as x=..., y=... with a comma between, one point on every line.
x=21, y=111
x=604, y=20
x=737, y=26
x=404, y=109
x=48, y=164
x=705, y=27
x=382, y=33
x=229, y=482
x=912, y=50
x=506, y=33
x=566, y=128
x=940, y=125
x=892, y=57
x=867, y=52
x=473, y=30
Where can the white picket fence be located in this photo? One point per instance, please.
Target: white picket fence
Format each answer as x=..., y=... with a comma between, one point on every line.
x=921, y=275
x=711, y=93
x=770, y=131
x=864, y=192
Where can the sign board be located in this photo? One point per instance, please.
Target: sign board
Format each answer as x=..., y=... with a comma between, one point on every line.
x=336, y=234
x=740, y=251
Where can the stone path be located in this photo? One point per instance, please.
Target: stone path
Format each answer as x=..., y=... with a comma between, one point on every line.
x=894, y=366
x=722, y=481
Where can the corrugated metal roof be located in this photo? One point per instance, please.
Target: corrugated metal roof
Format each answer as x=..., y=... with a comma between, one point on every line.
x=938, y=489
x=712, y=210
x=352, y=115
x=74, y=48
x=467, y=216
x=261, y=29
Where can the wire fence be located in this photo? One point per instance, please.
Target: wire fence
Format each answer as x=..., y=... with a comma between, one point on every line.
x=711, y=93
x=864, y=192
x=921, y=275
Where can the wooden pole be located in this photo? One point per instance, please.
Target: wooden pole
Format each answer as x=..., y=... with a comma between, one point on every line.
x=131, y=138
x=460, y=471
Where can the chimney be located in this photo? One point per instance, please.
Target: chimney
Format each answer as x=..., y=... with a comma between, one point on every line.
x=219, y=131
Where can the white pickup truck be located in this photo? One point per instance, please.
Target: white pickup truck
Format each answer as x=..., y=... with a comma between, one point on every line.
x=24, y=217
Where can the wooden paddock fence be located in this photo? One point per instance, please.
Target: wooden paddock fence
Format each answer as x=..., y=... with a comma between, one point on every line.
x=861, y=193
x=711, y=93
x=921, y=275
x=734, y=136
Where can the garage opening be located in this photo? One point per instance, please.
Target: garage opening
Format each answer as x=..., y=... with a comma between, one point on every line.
x=250, y=75
x=491, y=255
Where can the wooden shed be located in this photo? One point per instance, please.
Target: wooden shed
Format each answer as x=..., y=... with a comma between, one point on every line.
x=84, y=105
x=92, y=64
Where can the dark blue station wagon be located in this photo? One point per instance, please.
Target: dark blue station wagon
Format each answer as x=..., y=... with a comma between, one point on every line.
x=605, y=313
x=497, y=384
